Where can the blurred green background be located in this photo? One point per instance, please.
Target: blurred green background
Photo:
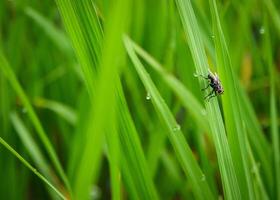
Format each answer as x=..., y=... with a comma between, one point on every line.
x=99, y=99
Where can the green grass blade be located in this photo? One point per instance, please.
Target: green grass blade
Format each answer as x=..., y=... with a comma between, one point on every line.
x=227, y=170
x=60, y=109
x=273, y=111
x=188, y=99
x=232, y=110
x=141, y=183
x=176, y=137
x=23, y=161
x=4, y=66
x=134, y=166
x=29, y=143
x=58, y=37
x=274, y=14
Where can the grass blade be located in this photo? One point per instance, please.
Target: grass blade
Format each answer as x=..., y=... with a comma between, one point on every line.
x=23, y=161
x=60, y=109
x=273, y=111
x=4, y=66
x=183, y=151
x=58, y=37
x=134, y=166
x=232, y=110
x=188, y=99
x=227, y=170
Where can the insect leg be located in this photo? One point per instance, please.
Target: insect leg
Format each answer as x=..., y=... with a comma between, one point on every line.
x=205, y=88
x=199, y=75
x=208, y=99
x=209, y=94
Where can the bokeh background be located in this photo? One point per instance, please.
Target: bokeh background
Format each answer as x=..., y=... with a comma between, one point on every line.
x=99, y=99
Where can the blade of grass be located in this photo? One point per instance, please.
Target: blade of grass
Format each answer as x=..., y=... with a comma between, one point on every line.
x=176, y=137
x=30, y=144
x=273, y=110
x=188, y=99
x=256, y=135
x=227, y=169
x=4, y=66
x=60, y=109
x=57, y=36
x=34, y=151
x=135, y=167
x=24, y=162
x=232, y=110
x=274, y=14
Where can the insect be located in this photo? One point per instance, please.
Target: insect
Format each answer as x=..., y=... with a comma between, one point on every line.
x=214, y=83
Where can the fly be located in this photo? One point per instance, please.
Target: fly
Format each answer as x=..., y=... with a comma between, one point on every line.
x=214, y=83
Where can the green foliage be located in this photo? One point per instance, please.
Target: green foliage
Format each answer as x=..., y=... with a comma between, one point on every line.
x=102, y=99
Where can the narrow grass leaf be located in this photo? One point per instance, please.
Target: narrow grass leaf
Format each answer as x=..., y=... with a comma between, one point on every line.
x=135, y=168
x=273, y=111
x=29, y=166
x=274, y=14
x=176, y=137
x=232, y=110
x=227, y=170
x=188, y=99
x=60, y=109
x=30, y=145
x=57, y=36
x=4, y=66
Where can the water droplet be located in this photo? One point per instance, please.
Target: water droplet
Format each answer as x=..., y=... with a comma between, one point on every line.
x=262, y=30
x=203, y=112
x=256, y=167
x=203, y=178
x=95, y=192
x=148, y=96
x=177, y=128
x=212, y=36
x=24, y=110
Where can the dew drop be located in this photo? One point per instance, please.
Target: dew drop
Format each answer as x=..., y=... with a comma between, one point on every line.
x=148, y=96
x=255, y=168
x=212, y=36
x=203, y=178
x=24, y=110
x=177, y=128
x=262, y=30
x=203, y=112
x=95, y=192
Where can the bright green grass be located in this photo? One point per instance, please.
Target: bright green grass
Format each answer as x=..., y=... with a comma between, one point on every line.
x=101, y=99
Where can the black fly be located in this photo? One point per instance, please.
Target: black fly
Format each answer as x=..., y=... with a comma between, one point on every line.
x=215, y=84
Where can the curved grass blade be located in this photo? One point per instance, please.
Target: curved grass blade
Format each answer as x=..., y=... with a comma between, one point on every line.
x=35, y=152
x=274, y=14
x=4, y=66
x=227, y=169
x=176, y=137
x=135, y=168
x=273, y=111
x=60, y=109
x=88, y=56
x=232, y=110
x=58, y=37
x=188, y=99
x=23, y=161
x=256, y=135
x=29, y=143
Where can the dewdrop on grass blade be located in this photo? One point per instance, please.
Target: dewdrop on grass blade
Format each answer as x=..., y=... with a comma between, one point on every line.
x=148, y=96
x=176, y=128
